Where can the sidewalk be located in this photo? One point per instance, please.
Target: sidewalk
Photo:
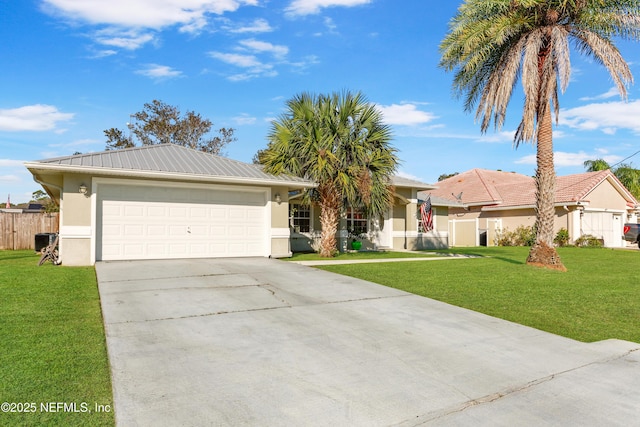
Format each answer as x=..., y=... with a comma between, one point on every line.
x=438, y=257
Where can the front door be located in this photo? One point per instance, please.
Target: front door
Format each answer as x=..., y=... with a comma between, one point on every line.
x=383, y=230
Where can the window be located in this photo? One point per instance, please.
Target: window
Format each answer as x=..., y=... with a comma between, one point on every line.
x=300, y=217
x=357, y=222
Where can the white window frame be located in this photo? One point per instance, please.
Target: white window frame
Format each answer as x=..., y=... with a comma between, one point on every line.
x=295, y=216
x=352, y=220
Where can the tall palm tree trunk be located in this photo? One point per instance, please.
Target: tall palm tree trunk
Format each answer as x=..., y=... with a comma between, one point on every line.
x=330, y=204
x=542, y=252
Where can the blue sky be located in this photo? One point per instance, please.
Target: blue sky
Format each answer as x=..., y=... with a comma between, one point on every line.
x=73, y=68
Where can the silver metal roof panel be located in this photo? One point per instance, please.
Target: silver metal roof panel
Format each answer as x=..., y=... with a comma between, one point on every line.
x=169, y=159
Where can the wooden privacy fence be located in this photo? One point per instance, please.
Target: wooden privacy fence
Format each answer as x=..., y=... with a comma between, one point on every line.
x=18, y=230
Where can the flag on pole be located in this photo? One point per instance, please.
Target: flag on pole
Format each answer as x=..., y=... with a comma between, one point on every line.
x=426, y=212
x=8, y=202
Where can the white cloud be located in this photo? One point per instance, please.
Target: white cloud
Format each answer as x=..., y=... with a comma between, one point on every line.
x=135, y=15
x=244, y=119
x=497, y=137
x=406, y=175
x=9, y=179
x=562, y=158
x=404, y=114
x=103, y=53
x=509, y=136
x=10, y=163
x=331, y=26
x=252, y=65
x=124, y=39
x=607, y=117
x=257, y=26
x=309, y=7
x=82, y=145
x=39, y=117
x=250, y=62
x=243, y=61
x=159, y=72
x=251, y=75
x=156, y=14
x=608, y=94
x=258, y=46
x=306, y=63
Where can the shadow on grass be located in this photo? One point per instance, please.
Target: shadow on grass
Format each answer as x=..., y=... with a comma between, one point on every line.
x=485, y=255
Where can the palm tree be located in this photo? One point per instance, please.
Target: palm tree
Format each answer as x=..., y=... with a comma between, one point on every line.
x=596, y=165
x=628, y=175
x=492, y=44
x=340, y=142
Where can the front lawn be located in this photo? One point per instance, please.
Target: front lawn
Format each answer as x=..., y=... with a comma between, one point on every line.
x=53, y=360
x=597, y=298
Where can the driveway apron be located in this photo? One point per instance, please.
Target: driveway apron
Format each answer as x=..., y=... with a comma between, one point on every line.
x=263, y=342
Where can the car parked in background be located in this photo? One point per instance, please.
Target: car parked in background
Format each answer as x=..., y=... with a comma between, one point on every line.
x=632, y=233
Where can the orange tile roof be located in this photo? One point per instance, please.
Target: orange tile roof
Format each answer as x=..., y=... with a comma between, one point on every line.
x=504, y=189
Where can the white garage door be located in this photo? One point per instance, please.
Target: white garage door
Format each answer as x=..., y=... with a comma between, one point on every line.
x=148, y=222
x=604, y=225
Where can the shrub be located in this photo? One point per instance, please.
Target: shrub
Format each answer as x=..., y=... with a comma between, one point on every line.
x=562, y=238
x=521, y=236
x=589, y=241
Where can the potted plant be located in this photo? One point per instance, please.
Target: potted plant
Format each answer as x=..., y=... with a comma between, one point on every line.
x=356, y=239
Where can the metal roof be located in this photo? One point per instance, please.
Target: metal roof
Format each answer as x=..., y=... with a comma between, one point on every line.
x=438, y=201
x=169, y=159
x=399, y=181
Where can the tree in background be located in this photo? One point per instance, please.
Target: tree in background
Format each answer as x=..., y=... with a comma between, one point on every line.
x=491, y=44
x=160, y=123
x=43, y=198
x=447, y=175
x=340, y=142
x=628, y=176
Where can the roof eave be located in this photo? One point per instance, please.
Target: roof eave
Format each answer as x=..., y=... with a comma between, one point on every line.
x=34, y=167
x=533, y=206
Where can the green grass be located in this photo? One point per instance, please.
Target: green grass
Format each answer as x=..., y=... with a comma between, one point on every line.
x=52, y=343
x=597, y=298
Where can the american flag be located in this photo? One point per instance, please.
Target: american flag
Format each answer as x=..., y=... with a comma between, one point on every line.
x=427, y=215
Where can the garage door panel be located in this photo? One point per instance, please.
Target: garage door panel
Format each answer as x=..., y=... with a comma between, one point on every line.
x=199, y=231
x=133, y=249
x=236, y=231
x=153, y=222
x=156, y=211
x=109, y=251
x=177, y=231
x=158, y=250
x=254, y=231
x=197, y=212
x=134, y=211
x=156, y=230
x=218, y=213
x=132, y=230
x=111, y=230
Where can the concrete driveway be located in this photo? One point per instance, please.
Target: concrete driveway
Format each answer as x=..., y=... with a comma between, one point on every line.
x=262, y=342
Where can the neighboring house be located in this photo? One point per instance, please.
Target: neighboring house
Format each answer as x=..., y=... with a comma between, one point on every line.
x=400, y=228
x=167, y=201
x=594, y=203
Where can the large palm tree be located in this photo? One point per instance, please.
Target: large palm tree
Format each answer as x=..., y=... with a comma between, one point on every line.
x=340, y=142
x=492, y=44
